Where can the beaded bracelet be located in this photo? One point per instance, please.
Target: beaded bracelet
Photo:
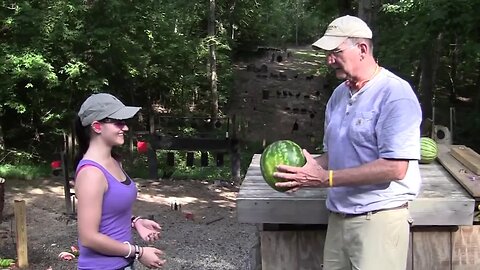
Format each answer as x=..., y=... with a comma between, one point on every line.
x=135, y=219
x=137, y=252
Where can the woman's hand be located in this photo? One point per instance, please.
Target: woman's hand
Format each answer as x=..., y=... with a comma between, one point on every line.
x=148, y=230
x=150, y=257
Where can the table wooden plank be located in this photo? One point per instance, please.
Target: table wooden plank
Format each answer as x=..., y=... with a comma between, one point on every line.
x=463, y=175
x=442, y=201
x=467, y=157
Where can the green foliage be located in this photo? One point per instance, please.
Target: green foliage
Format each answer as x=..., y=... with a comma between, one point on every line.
x=280, y=23
x=407, y=29
x=202, y=173
x=6, y=262
x=467, y=134
x=137, y=166
x=16, y=157
x=56, y=52
x=25, y=172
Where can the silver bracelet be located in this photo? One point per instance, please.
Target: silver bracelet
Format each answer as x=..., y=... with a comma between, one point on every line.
x=129, y=249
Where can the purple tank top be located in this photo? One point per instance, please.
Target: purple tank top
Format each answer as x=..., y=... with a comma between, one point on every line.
x=115, y=221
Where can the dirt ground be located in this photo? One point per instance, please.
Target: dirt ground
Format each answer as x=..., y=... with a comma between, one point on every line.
x=202, y=233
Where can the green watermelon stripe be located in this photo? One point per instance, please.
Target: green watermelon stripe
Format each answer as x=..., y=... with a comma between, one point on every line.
x=428, y=149
x=280, y=152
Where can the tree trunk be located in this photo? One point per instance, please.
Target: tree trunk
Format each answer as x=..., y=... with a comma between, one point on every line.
x=429, y=63
x=416, y=78
x=296, y=22
x=231, y=20
x=367, y=11
x=345, y=7
x=212, y=62
x=2, y=142
x=426, y=86
x=453, y=70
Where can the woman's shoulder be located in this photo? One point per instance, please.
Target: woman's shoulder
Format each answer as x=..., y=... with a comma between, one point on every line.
x=89, y=169
x=90, y=178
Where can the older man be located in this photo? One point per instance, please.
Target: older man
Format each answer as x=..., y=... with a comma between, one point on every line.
x=372, y=147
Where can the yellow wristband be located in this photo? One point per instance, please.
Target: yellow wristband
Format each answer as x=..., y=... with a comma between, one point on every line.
x=330, y=178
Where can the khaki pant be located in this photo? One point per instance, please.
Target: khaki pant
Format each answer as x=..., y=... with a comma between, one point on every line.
x=376, y=241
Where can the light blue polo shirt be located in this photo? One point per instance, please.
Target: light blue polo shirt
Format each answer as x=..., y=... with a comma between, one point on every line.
x=381, y=120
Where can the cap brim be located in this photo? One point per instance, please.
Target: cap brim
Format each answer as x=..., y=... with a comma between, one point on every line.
x=126, y=112
x=328, y=43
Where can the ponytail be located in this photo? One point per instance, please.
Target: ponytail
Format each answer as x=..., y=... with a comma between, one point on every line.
x=83, y=138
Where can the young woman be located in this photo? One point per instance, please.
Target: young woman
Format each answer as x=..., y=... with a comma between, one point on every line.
x=105, y=192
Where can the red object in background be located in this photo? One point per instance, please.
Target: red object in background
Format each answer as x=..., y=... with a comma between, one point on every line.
x=56, y=164
x=188, y=215
x=142, y=147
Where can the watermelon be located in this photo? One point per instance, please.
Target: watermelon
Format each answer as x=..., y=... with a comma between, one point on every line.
x=280, y=152
x=428, y=150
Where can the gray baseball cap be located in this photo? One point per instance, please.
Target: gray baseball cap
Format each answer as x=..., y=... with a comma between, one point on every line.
x=100, y=106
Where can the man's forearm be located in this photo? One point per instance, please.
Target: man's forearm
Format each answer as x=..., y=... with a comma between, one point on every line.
x=375, y=172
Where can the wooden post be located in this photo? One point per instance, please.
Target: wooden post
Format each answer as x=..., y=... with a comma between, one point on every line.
x=234, y=153
x=204, y=159
x=171, y=159
x=151, y=125
x=219, y=159
x=190, y=159
x=66, y=183
x=73, y=150
x=130, y=145
x=2, y=197
x=70, y=142
x=152, y=162
x=21, y=232
x=152, y=150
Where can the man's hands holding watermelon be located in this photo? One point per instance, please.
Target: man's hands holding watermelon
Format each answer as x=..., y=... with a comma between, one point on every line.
x=310, y=175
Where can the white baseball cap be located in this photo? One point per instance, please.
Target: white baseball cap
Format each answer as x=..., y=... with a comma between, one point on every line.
x=101, y=106
x=340, y=30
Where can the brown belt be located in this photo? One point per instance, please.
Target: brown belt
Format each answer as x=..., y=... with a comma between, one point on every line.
x=345, y=215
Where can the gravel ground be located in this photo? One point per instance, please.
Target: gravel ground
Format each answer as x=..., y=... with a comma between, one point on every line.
x=201, y=235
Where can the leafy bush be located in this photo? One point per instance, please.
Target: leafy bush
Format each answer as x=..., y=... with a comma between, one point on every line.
x=26, y=172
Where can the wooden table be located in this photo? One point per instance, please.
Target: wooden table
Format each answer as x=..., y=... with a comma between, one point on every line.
x=292, y=226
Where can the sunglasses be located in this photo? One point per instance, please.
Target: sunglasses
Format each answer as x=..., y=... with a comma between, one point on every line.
x=116, y=122
x=337, y=51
